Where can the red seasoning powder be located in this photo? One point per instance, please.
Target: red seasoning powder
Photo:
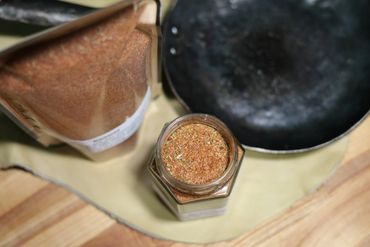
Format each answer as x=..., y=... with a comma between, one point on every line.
x=195, y=154
x=83, y=84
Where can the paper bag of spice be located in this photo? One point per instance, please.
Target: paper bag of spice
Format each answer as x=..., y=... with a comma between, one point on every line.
x=87, y=87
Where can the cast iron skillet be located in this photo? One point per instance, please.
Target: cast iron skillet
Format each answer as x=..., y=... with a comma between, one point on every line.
x=285, y=76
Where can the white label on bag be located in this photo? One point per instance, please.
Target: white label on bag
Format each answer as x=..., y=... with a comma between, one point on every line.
x=116, y=135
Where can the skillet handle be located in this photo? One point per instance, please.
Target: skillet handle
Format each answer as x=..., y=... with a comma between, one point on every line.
x=41, y=12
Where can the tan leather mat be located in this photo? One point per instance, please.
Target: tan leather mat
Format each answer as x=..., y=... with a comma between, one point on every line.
x=266, y=185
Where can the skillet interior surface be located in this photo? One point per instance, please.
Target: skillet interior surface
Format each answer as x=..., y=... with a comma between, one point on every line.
x=283, y=75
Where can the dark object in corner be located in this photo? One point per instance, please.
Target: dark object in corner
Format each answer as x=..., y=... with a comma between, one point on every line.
x=41, y=12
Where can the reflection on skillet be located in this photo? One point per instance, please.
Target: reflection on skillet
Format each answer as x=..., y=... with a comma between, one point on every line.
x=284, y=75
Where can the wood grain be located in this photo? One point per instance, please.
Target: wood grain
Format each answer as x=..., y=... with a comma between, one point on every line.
x=37, y=213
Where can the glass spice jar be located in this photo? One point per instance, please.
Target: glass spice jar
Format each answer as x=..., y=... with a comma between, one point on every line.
x=194, y=166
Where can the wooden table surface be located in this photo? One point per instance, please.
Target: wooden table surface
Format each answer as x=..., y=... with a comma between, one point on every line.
x=34, y=212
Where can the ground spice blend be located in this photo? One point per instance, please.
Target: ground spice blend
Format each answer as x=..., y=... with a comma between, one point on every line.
x=88, y=88
x=195, y=165
x=195, y=154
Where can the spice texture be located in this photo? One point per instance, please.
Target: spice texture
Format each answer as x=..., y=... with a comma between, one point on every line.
x=84, y=84
x=195, y=154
